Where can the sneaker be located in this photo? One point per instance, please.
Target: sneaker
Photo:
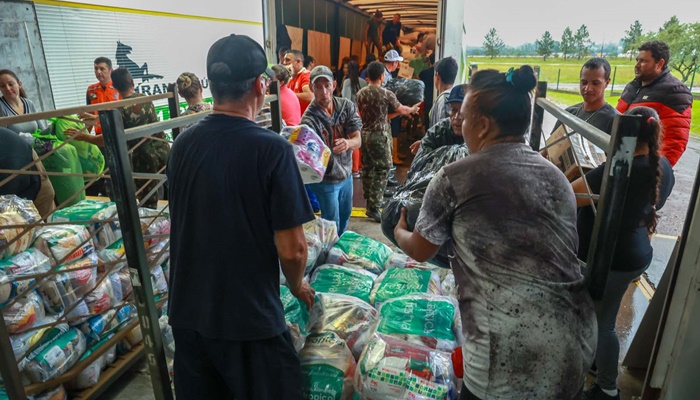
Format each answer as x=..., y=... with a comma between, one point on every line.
x=373, y=215
x=356, y=175
x=393, y=168
x=596, y=393
x=391, y=183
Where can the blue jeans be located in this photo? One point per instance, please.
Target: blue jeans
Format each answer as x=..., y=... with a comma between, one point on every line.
x=312, y=199
x=336, y=201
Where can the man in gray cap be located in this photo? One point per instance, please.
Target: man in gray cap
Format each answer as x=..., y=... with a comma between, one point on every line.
x=392, y=59
x=237, y=205
x=336, y=121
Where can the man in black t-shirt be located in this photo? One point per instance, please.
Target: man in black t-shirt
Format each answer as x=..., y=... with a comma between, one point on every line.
x=237, y=205
x=391, y=33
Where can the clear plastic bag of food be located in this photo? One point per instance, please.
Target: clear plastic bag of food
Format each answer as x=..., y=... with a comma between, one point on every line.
x=87, y=377
x=391, y=369
x=113, y=253
x=428, y=320
x=24, y=313
x=349, y=317
x=96, y=210
x=58, y=357
x=10, y=288
x=399, y=282
x=315, y=248
x=449, y=285
x=310, y=151
x=63, y=243
x=125, y=279
x=160, y=285
x=338, y=279
x=153, y=223
x=102, y=298
x=360, y=251
x=326, y=232
x=168, y=343
x=97, y=326
x=15, y=210
x=401, y=260
x=57, y=393
x=13, y=269
x=328, y=367
x=296, y=315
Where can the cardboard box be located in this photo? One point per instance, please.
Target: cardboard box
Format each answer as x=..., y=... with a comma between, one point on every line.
x=561, y=152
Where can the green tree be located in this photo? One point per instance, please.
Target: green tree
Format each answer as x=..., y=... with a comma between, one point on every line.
x=582, y=41
x=493, y=43
x=683, y=41
x=566, y=46
x=545, y=45
x=631, y=41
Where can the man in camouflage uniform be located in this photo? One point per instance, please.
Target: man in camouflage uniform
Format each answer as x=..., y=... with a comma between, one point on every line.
x=446, y=132
x=375, y=103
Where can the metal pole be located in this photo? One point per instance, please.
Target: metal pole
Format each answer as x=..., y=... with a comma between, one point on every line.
x=538, y=118
x=612, y=201
x=612, y=87
x=558, y=76
x=125, y=198
x=276, y=107
x=8, y=367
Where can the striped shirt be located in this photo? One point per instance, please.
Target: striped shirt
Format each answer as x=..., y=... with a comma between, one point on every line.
x=7, y=111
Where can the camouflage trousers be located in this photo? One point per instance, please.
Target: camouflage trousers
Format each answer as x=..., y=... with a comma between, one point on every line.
x=376, y=161
x=150, y=157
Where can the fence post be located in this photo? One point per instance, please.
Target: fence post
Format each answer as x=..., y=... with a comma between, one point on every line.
x=558, y=76
x=8, y=367
x=538, y=117
x=125, y=198
x=616, y=179
x=612, y=87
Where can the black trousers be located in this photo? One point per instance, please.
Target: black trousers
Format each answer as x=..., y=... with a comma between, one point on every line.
x=237, y=370
x=465, y=394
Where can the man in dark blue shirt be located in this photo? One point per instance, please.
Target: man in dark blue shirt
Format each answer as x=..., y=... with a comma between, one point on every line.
x=237, y=205
x=391, y=34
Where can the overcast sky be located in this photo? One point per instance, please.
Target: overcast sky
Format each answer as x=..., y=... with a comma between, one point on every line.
x=519, y=22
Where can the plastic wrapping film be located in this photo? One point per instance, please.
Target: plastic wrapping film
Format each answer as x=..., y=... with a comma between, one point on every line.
x=328, y=367
x=63, y=243
x=349, y=317
x=296, y=315
x=323, y=232
x=67, y=287
x=158, y=224
x=407, y=91
x=16, y=211
x=397, y=282
x=26, y=263
x=310, y=151
x=93, y=210
x=391, y=369
x=338, y=279
x=57, y=393
x=24, y=313
x=59, y=356
x=428, y=320
x=64, y=160
x=401, y=260
x=91, y=158
x=166, y=332
x=360, y=251
x=91, y=375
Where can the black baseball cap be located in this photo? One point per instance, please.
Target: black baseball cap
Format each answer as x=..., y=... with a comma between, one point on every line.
x=457, y=94
x=236, y=58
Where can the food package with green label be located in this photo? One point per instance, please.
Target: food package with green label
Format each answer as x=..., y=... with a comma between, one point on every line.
x=398, y=282
x=58, y=357
x=68, y=286
x=91, y=158
x=13, y=269
x=392, y=368
x=16, y=211
x=22, y=342
x=87, y=210
x=359, y=251
x=349, y=317
x=63, y=243
x=428, y=320
x=328, y=367
x=338, y=279
x=296, y=315
x=24, y=313
x=327, y=234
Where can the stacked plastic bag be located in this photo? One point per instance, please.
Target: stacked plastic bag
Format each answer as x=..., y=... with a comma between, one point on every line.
x=311, y=152
x=328, y=367
x=344, y=280
x=64, y=159
x=91, y=158
x=397, y=282
x=296, y=315
x=359, y=251
x=321, y=236
x=93, y=210
x=16, y=211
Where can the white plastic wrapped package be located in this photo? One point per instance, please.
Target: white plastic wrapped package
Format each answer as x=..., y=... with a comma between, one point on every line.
x=328, y=367
x=102, y=298
x=24, y=341
x=428, y=320
x=112, y=253
x=326, y=232
x=449, y=286
x=26, y=263
x=360, y=251
x=24, y=313
x=125, y=279
x=63, y=243
x=401, y=260
x=57, y=393
x=88, y=210
x=58, y=357
x=351, y=318
x=399, y=282
x=296, y=315
x=16, y=211
x=310, y=151
x=67, y=287
x=109, y=357
x=337, y=279
x=156, y=255
x=96, y=326
x=116, y=287
x=153, y=223
x=87, y=377
x=315, y=248
x=392, y=369
x=168, y=343
x=160, y=285
x=10, y=288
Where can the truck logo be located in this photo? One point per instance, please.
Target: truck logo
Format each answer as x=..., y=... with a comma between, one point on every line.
x=123, y=61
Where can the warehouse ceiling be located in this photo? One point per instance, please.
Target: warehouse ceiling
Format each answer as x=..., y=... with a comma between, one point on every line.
x=416, y=14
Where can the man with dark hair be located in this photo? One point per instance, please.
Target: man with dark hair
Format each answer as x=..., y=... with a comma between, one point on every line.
x=391, y=33
x=309, y=62
x=373, y=33
x=392, y=59
x=445, y=76
x=300, y=78
x=237, y=205
x=375, y=104
x=447, y=132
x=102, y=91
x=655, y=87
x=335, y=120
x=281, y=53
x=368, y=59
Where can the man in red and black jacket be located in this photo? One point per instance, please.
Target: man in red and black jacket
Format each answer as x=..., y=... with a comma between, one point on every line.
x=655, y=87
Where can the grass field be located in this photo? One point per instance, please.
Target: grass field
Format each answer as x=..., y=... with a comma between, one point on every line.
x=570, y=68
x=568, y=99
